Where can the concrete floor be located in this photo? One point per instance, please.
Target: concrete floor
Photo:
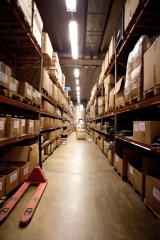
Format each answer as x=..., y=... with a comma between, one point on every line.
x=85, y=200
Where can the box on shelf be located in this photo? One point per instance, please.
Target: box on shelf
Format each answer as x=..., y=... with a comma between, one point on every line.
x=129, y=10
x=25, y=89
x=152, y=193
x=26, y=7
x=2, y=127
x=12, y=127
x=106, y=61
x=111, y=99
x=37, y=26
x=13, y=85
x=4, y=80
x=22, y=126
x=152, y=66
x=120, y=165
x=37, y=33
x=101, y=110
x=111, y=156
x=100, y=101
x=135, y=178
x=11, y=178
x=30, y=126
x=42, y=122
x=55, y=58
x=16, y=153
x=33, y=156
x=36, y=126
x=47, y=46
x=81, y=133
x=5, y=69
x=119, y=93
x=47, y=150
x=146, y=131
x=23, y=169
x=2, y=186
x=45, y=80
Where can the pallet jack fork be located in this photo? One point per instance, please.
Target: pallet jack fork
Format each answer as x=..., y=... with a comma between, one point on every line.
x=37, y=178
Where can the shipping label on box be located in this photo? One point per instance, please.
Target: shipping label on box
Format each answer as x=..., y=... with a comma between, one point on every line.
x=142, y=126
x=156, y=193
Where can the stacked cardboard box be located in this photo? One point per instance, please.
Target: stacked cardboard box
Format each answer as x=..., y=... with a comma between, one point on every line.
x=37, y=24
x=135, y=177
x=119, y=93
x=129, y=11
x=111, y=50
x=108, y=85
x=47, y=46
x=5, y=75
x=100, y=105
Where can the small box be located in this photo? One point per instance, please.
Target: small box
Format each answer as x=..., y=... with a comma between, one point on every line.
x=12, y=178
x=152, y=193
x=36, y=126
x=111, y=156
x=12, y=127
x=30, y=126
x=118, y=164
x=13, y=85
x=2, y=186
x=37, y=18
x=2, y=127
x=4, y=80
x=22, y=126
x=25, y=89
x=130, y=173
x=146, y=131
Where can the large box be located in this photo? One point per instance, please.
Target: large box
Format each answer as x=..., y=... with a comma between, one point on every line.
x=111, y=49
x=30, y=126
x=45, y=80
x=33, y=156
x=36, y=126
x=22, y=126
x=26, y=7
x=2, y=127
x=4, y=80
x=152, y=193
x=119, y=93
x=111, y=156
x=146, y=131
x=12, y=127
x=25, y=89
x=23, y=169
x=46, y=45
x=13, y=85
x=12, y=178
x=5, y=69
x=81, y=133
x=16, y=153
x=152, y=66
x=135, y=178
x=37, y=18
x=2, y=186
x=120, y=165
x=129, y=10
x=111, y=99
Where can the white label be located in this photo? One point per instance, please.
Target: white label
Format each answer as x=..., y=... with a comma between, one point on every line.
x=13, y=177
x=1, y=125
x=23, y=122
x=29, y=93
x=136, y=127
x=131, y=169
x=142, y=126
x=3, y=77
x=13, y=86
x=16, y=124
x=156, y=193
x=0, y=186
x=31, y=124
x=26, y=171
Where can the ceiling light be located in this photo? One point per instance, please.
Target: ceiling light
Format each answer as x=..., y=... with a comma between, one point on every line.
x=71, y=5
x=77, y=88
x=76, y=73
x=73, y=33
x=78, y=94
x=77, y=81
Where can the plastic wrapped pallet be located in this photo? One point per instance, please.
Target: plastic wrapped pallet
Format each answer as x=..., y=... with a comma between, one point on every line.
x=134, y=73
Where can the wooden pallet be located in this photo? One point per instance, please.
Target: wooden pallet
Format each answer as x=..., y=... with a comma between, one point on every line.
x=132, y=100
x=156, y=215
x=11, y=94
x=152, y=92
x=119, y=107
x=111, y=109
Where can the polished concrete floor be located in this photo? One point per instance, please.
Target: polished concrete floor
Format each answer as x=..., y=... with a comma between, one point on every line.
x=85, y=200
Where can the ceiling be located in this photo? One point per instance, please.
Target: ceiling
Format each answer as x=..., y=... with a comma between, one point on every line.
x=96, y=20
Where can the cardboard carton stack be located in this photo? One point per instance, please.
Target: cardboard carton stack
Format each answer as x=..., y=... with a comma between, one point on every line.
x=108, y=85
x=100, y=105
x=129, y=11
x=37, y=24
x=119, y=93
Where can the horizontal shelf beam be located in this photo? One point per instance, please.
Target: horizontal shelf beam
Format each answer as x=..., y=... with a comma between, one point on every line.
x=10, y=140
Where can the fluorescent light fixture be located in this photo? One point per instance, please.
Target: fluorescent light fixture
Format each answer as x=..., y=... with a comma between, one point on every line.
x=77, y=82
x=78, y=94
x=76, y=73
x=77, y=88
x=73, y=33
x=71, y=5
x=81, y=107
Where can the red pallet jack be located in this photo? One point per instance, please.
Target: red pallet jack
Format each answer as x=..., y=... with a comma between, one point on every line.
x=36, y=178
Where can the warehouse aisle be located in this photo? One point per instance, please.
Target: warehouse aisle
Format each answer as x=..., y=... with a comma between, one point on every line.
x=85, y=200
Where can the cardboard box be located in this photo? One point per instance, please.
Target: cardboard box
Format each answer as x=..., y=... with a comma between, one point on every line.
x=106, y=61
x=2, y=127
x=100, y=101
x=146, y=131
x=135, y=178
x=12, y=127
x=33, y=156
x=112, y=99
x=119, y=93
x=152, y=193
x=23, y=169
x=4, y=80
x=111, y=156
x=5, y=69
x=12, y=178
x=42, y=122
x=22, y=126
x=37, y=33
x=25, y=89
x=55, y=58
x=129, y=10
x=130, y=173
x=105, y=148
x=120, y=165
x=37, y=18
x=47, y=150
x=111, y=49
x=81, y=133
x=30, y=126
x=152, y=66
x=26, y=7
x=36, y=126
x=2, y=186
x=16, y=153
x=13, y=85
x=109, y=80
x=45, y=80
x=101, y=110
x=46, y=45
